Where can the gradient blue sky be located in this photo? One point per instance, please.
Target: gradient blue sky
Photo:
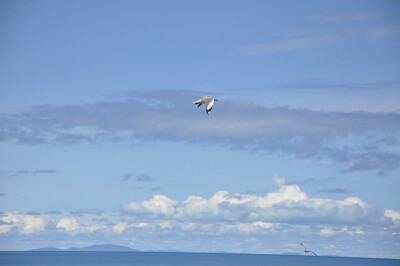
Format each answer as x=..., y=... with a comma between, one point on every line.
x=100, y=141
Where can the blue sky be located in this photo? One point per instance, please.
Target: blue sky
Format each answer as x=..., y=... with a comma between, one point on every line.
x=100, y=141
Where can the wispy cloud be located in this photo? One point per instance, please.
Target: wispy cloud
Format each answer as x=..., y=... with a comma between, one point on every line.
x=287, y=44
x=138, y=177
x=34, y=213
x=335, y=191
x=384, y=31
x=323, y=84
x=86, y=211
x=352, y=140
x=153, y=189
x=337, y=15
x=27, y=172
x=313, y=180
x=144, y=178
x=127, y=177
x=327, y=28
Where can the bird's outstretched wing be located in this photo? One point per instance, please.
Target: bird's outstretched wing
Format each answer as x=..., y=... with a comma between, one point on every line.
x=200, y=101
x=209, y=106
x=308, y=251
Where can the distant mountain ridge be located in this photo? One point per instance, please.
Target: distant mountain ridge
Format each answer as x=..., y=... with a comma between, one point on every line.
x=111, y=247
x=105, y=247
x=46, y=249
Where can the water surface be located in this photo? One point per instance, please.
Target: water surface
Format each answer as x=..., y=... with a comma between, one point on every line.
x=91, y=258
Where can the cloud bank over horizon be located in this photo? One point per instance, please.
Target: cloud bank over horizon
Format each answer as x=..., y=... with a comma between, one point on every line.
x=287, y=205
x=355, y=141
x=288, y=211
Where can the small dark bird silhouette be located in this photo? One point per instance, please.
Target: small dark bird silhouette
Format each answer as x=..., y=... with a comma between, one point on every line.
x=307, y=251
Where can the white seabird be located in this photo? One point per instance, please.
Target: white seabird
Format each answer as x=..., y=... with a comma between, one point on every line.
x=209, y=101
x=306, y=250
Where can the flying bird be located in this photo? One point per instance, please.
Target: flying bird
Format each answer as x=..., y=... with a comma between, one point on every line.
x=209, y=101
x=307, y=251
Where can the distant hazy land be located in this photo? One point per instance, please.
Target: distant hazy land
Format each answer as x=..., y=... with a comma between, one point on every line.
x=110, y=247
x=105, y=247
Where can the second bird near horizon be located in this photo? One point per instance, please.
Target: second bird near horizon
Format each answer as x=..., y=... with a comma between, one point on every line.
x=307, y=251
x=209, y=101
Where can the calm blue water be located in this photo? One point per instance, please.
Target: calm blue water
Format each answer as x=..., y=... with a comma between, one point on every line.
x=92, y=258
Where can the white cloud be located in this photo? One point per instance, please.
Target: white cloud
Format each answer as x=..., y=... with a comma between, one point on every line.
x=219, y=228
x=199, y=227
x=288, y=205
x=165, y=225
x=159, y=206
x=140, y=225
x=35, y=224
x=92, y=228
x=263, y=225
x=327, y=232
x=350, y=230
x=4, y=228
x=255, y=227
x=394, y=216
x=27, y=224
x=68, y=224
x=120, y=227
